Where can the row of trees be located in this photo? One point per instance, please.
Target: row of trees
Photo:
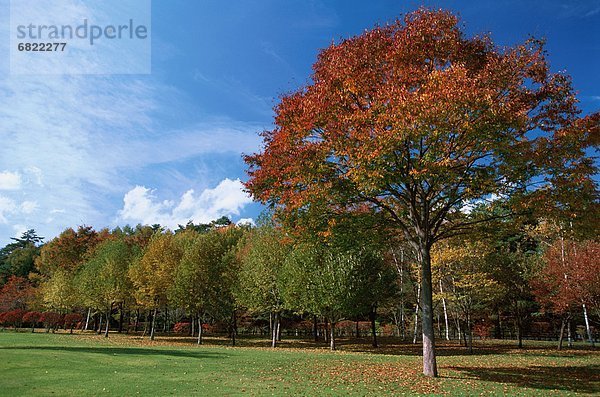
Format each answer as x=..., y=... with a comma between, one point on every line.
x=214, y=273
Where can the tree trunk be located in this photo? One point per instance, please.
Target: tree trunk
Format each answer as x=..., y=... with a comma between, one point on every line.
x=166, y=319
x=587, y=325
x=107, y=321
x=332, y=336
x=153, y=323
x=200, y=329
x=569, y=337
x=274, y=326
x=100, y=326
x=470, y=329
x=326, y=331
x=562, y=333
x=192, y=326
x=233, y=327
x=445, y=311
x=417, y=315
x=372, y=317
x=137, y=320
x=315, y=329
x=87, y=319
x=429, y=360
x=121, y=317
x=519, y=330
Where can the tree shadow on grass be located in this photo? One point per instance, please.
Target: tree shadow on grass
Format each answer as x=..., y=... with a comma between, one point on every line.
x=580, y=379
x=126, y=351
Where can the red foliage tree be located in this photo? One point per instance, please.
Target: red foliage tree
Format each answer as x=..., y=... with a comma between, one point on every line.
x=71, y=320
x=15, y=294
x=14, y=318
x=51, y=320
x=415, y=120
x=32, y=318
x=570, y=279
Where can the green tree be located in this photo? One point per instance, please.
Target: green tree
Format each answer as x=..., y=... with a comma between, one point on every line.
x=262, y=256
x=103, y=280
x=152, y=273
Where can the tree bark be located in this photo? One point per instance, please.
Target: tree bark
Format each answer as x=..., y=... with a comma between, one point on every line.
x=332, y=336
x=417, y=315
x=233, y=327
x=429, y=360
x=87, y=319
x=372, y=317
x=445, y=311
x=121, y=317
x=200, y=329
x=274, y=321
x=153, y=323
x=587, y=325
x=100, y=326
x=107, y=321
x=562, y=333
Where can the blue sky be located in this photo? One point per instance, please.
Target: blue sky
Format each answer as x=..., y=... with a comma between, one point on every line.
x=166, y=147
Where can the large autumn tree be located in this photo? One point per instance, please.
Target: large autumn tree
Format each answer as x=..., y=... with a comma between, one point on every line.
x=415, y=120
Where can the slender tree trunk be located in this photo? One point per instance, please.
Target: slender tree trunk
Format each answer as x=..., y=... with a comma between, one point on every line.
x=192, y=326
x=152, y=329
x=107, y=321
x=587, y=325
x=315, y=328
x=569, y=336
x=459, y=330
x=445, y=311
x=519, y=330
x=372, y=317
x=200, y=328
x=470, y=329
x=326, y=330
x=166, y=319
x=87, y=319
x=417, y=315
x=271, y=324
x=562, y=333
x=137, y=320
x=121, y=317
x=274, y=326
x=332, y=336
x=279, y=328
x=100, y=326
x=233, y=327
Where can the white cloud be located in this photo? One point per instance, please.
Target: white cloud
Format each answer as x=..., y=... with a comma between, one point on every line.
x=28, y=207
x=226, y=199
x=7, y=206
x=19, y=230
x=246, y=221
x=10, y=180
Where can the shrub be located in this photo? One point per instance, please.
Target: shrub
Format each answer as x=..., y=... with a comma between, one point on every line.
x=51, y=320
x=32, y=318
x=71, y=320
x=182, y=328
x=14, y=318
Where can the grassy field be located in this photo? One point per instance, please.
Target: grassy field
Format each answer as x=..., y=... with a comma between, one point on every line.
x=82, y=365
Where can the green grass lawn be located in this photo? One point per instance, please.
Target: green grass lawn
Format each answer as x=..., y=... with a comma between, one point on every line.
x=84, y=365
